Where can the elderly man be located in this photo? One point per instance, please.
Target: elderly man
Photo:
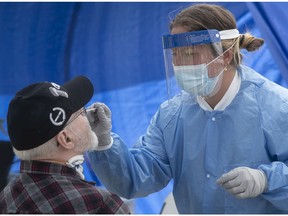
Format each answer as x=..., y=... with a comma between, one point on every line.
x=49, y=131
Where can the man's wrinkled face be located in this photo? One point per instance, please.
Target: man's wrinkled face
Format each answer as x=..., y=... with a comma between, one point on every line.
x=85, y=139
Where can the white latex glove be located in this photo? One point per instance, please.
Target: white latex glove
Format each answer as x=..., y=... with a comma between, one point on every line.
x=99, y=117
x=244, y=182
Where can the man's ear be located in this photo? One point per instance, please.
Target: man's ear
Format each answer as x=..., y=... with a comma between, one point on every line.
x=63, y=138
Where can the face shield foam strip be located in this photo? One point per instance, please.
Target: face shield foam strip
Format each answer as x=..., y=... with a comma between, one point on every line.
x=191, y=38
x=229, y=34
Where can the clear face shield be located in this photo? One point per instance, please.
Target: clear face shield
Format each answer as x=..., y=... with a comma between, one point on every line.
x=194, y=62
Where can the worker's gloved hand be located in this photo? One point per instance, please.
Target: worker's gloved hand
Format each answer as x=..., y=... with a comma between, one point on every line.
x=244, y=182
x=99, y=117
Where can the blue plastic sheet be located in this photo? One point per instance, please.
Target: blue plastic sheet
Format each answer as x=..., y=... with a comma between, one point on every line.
x=118, y=46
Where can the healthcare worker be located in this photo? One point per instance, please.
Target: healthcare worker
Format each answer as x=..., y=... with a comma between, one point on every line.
x=223, y=139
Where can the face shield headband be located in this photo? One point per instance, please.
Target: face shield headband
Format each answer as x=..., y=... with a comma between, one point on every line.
x=198, y=37
x=196, y=44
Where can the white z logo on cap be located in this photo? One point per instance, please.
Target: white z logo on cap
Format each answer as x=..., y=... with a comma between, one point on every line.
x=57, y=92
x=60, y=116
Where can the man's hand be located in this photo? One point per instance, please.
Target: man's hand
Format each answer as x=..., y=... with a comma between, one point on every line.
x=99, y=117
x=244, y=182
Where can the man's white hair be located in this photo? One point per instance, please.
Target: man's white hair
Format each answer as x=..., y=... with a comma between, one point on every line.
x=47, y=149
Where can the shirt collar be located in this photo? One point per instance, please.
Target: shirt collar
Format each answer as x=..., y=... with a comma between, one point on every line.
x=227, y=98
x=40, y=167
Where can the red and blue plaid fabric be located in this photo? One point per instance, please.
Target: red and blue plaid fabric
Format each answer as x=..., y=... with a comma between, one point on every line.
x=47, y=188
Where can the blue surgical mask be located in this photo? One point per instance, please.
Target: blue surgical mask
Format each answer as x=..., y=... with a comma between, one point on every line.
x=194, y=79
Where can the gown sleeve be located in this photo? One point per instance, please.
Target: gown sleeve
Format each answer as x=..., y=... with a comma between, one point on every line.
x=134, y=172
x=274, y=115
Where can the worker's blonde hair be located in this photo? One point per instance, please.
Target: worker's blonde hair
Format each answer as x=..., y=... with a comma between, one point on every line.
x=210, y=16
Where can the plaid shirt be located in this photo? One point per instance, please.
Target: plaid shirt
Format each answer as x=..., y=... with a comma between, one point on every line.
x=47, y=188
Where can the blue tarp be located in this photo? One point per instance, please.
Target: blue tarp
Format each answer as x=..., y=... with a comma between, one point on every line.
x=118, y=46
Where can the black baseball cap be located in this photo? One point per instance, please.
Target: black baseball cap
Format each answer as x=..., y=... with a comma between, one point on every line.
x=40, y=111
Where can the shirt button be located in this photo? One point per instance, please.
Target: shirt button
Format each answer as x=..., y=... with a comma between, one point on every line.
x=208, y=175
x=213, y=118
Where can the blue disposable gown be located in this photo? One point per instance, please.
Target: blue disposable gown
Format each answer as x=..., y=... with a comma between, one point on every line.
x=195, y=147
